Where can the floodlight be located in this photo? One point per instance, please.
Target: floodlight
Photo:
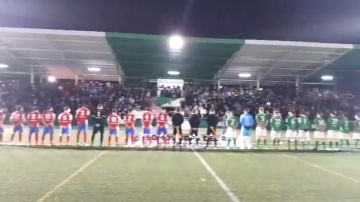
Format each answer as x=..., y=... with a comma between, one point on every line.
x=327, y=77
x=51, y=79
x=173, y=73
x=244, y=75
x=94, y=69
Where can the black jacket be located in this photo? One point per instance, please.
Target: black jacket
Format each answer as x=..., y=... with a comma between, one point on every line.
x=212, y=120
x=98, y=118
x=194, y=121
x=177, y=119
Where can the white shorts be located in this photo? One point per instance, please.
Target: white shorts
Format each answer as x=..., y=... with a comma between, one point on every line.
x=230, y=132
x=356, y=136
x=291, y=134
x=303, y=135
x=345, y=136
x=275, y=134
x=260, y=133
x=319, y=135
x=332, y=135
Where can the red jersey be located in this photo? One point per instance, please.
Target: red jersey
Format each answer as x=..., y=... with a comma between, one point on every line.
x=162, y=120
x=130, y=120
x=65, y=119
x=114, y=121
x=49, y=118
x=2, y=118
x=147, y=119
x=34, y=118
x=17, y=118
x=82, y=115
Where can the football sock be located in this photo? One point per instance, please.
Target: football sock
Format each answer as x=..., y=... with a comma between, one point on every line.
x=274, y=142
x=337, y=144
x=36, y=139
x=316, y=145
x=347, y=143
x=101, y=138
x=289, y=142
x=68, y=139
x=296, y=144
x=109, y=140
x=258, y=142
x=92, y=138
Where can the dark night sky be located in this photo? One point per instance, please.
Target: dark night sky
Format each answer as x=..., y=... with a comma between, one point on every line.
x=300, y=20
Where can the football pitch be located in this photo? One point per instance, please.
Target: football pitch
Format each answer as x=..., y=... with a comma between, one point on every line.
x=37, y=174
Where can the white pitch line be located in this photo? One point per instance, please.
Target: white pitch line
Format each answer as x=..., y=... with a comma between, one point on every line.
x=70, y=177
x=324, y=169
x=221, y=183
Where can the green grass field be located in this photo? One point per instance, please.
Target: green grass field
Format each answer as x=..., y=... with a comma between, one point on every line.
x=88, y=174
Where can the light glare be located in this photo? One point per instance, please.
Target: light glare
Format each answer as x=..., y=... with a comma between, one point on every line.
x=94, y=69
x=327, y=77
x=176, y=43
x=3, y=66
x=173, y=73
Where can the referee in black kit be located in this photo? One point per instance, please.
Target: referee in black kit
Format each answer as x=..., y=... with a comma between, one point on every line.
x=194, y=122
x=177, y=121
x=212, y=121
x=98, y=119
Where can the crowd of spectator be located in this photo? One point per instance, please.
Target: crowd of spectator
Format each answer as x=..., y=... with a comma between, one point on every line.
x=66, y=93
x=197, y=98
x=170, y=92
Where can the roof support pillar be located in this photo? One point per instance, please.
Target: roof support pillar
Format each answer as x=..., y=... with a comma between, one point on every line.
x=297, y=85
x=258, y=78
x=218, y=84
x=32, y=76
x=76, y=79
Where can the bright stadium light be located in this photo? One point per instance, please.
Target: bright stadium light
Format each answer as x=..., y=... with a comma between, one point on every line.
x=244, y=75
x=3, y=66
x=176, y=43
x=173, y=73
x=51, y=79
x=327, y=77
x=94, y=69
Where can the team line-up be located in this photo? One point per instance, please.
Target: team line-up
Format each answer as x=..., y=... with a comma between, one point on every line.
x=335, y=131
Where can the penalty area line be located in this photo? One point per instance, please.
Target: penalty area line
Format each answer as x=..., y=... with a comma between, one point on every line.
x=221, y=183
x=66, y=180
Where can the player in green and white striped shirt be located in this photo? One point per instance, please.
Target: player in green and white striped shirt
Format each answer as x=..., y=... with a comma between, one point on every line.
x=356, y=130
x=261, y=126
x=277, y=126
x=304, y=127
x=344, y=127
x=320, y=130
x=291, y=128
x=231, y=124
x=333, y=125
